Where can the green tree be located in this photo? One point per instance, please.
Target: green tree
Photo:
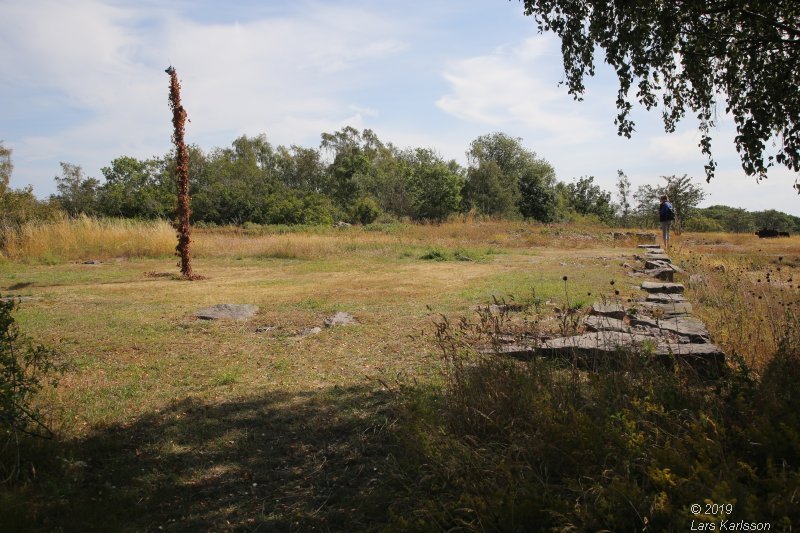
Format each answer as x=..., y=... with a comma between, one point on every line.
x=301, y=168
x=136, y=189
x=6, y=167
x=353, y=153
x=624, y=195
x=681, y=56
x=732, y=219
x=486, y=190
x=684, y=195
x=77, y=194
x=506, y=179
x=434, y=187
x=772, y=219
x=582, y=196
x=537, y=197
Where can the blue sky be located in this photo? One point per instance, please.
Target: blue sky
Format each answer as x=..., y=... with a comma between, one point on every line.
x=84, y=83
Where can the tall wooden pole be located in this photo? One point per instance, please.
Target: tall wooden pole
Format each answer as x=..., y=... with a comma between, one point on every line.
x=182, y=171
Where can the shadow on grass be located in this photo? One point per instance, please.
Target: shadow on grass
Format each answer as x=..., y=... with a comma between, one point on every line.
x=289, y=462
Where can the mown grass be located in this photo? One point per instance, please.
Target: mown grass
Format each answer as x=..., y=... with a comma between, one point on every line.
x=167, y=421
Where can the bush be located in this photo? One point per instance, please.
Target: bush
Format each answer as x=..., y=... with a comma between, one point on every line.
x=23, y=371
x=364, y=211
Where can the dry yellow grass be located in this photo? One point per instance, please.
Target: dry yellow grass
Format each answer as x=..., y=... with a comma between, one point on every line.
x=748, y=290
x=86, y=237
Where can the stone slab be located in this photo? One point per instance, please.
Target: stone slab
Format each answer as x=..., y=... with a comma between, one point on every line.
x=653, y=263
x=227, y=312
x=650, y=246
x=686, y=326
x=613, y=310
x=708, y=359
x=658, y=257
x=665, y=298
x=668, y=309
x=339, y=319
x=653, y=286
x=605, y=323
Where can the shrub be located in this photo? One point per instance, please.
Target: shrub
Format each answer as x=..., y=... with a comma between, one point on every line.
x=365, y=211
x=23, y=371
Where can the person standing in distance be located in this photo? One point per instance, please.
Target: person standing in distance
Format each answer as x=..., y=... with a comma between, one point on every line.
x=666, y=214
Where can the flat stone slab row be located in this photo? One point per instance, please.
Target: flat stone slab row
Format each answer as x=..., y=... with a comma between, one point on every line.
x=662, y=323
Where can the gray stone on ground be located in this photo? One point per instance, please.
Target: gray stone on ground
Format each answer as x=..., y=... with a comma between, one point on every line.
x=654, y=263
x=656, y=251
x=662, y=274
x=658, y=257
x=665, y=298
x=593, y=344
x=93, y=262
x=649, y=246
x=305, y=332
x=613, y=310
x=266, y=329
x=686, y=326
x=339, y=319
x=668, y=309
x=19, y=298
x=227, y=312
x=706, y=357
x=654, y=286
x=605, y=323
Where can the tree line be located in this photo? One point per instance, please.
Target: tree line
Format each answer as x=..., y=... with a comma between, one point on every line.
x=356, y=177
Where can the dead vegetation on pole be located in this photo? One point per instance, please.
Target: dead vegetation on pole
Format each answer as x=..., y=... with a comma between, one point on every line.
x=182, y=171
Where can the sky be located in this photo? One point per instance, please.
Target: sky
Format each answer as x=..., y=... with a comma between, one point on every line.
x=84, y=83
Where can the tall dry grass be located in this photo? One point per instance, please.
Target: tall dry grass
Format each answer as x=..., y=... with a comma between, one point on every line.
x=749, y=294
x=101, y=238
x=71, y=239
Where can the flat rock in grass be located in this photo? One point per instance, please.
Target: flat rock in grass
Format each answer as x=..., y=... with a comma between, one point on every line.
x=227, y=312
x=517, y=351
x=665, y=298
x=662, y=274
x=612, y=310
x=653, y=286
x=585, y=345
x=707, y=358
x=658, y=257
x=19, y=298
x=651, y=264
x=655, y=251
x=605, y=323
x=593, y=344
x=650, y=246
x=305, y=332
x=339, y=319
x=685, y=326
x=667, y=309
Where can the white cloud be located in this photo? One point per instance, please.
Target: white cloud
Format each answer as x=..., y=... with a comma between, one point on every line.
x=287, y=75
x=513, y=87
x=676, y=146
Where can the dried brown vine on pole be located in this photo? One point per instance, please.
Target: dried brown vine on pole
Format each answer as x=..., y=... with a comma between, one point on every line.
x=182, y=171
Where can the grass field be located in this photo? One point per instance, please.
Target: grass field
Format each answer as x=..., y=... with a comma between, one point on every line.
x=167, y=421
